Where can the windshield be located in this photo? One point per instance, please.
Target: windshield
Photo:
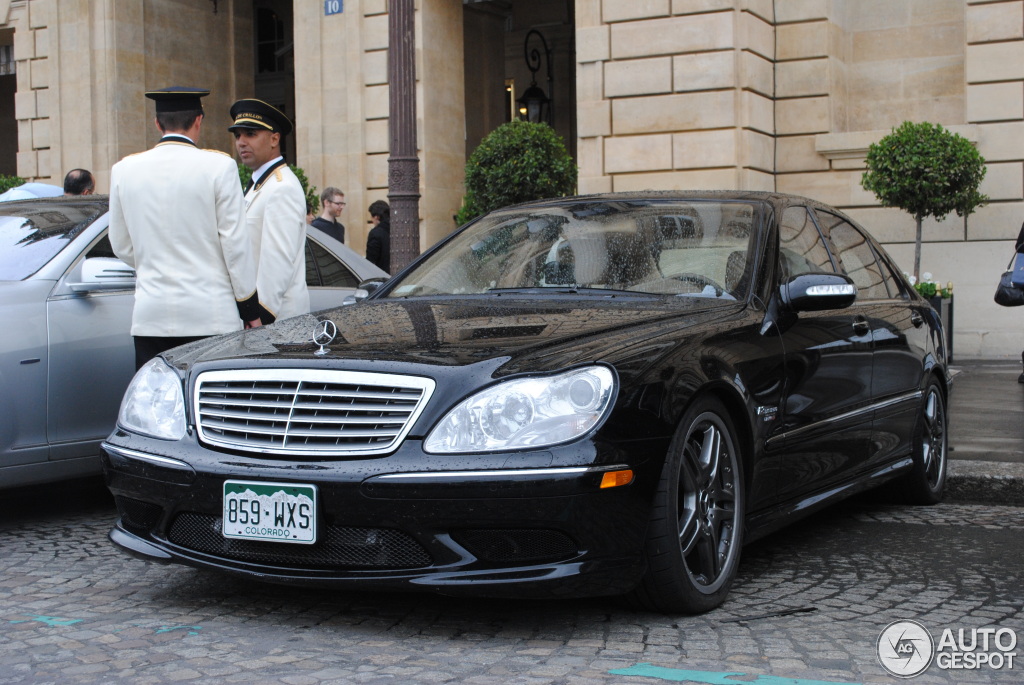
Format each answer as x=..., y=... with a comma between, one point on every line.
x=32, y=232
x=695, y=248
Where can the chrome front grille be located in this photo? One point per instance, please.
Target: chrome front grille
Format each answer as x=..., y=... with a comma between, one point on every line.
x=307, y=411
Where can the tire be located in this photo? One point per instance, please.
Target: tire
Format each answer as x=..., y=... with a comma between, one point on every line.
x=927, y=479
x=695, y=532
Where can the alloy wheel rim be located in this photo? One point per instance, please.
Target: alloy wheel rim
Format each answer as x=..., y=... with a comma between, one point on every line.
x=933, y=445
x=707, y=503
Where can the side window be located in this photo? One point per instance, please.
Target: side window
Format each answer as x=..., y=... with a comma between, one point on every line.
x=101, y=249
x=801, y=249
x=312, y=275
x=333, y=273
x=892, y=280
x=856, y=257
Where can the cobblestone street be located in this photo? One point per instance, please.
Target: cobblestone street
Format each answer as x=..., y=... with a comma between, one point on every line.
x=808, y=606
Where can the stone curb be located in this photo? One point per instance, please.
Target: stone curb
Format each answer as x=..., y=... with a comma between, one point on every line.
x=985, y=482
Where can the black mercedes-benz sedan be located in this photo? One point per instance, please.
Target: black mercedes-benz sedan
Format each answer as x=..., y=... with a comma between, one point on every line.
x=598, y=395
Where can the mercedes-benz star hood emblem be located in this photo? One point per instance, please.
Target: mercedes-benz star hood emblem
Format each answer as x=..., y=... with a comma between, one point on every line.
x=323, y=334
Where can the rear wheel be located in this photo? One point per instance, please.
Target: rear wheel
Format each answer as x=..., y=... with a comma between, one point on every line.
x=696, y=528
x=927, y=479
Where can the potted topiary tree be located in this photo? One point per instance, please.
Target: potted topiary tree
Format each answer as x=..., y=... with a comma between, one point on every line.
x=927, y=171
x=516, y=162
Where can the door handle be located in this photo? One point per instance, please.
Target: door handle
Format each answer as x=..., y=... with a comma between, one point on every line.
x=861, y=326
x=916, y=319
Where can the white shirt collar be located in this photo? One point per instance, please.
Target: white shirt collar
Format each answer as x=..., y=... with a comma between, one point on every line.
x=179, y=135
x=258, y=174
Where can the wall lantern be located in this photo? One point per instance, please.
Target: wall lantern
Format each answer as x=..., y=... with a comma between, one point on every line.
x=534, y=104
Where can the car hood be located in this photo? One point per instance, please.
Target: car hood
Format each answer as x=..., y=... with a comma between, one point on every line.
x=535, y=334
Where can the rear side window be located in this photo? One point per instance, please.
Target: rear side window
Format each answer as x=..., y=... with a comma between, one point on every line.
x=856, y=257
x=332, y=273
x=801, y=248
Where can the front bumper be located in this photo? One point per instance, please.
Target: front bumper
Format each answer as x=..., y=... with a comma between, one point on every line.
x=514, y=525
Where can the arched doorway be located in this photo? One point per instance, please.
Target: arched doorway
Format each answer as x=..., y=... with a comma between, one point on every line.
x=8, y=124
x=274, y=60
x=496, y=67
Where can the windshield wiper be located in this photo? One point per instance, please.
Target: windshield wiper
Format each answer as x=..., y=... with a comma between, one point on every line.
x=566, y=290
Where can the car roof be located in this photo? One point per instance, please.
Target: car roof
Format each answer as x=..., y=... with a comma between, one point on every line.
x=672, y=195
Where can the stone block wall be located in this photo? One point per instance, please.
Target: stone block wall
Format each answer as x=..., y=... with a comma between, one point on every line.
x=653, y=114
x=32, y=101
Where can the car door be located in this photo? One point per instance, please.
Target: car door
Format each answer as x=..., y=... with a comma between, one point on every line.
x=826, y=415
x=23, y=366
x=329, y=280
x=897, y=331
x=92, y=357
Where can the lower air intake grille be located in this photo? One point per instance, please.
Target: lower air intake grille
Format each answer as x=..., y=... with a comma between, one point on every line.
x=337, y=548
x=517, y=544
x=137, y=516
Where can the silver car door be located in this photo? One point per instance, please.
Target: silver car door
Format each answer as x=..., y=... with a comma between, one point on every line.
x=23, y=364
x=92, y=356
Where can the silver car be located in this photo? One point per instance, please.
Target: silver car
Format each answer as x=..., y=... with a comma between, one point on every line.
x=66, y=355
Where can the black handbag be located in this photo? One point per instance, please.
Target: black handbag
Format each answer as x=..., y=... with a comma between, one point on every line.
x=1007, y=294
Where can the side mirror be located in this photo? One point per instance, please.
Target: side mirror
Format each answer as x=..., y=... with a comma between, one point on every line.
x=104, y=273
x=815, y=292
x=364, y=290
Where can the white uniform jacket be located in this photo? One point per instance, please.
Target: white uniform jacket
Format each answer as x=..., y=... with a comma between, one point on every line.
x=178, y=217
x=275, y=211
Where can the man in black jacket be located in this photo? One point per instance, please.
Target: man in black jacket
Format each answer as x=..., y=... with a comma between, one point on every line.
x=378, y=243
x=333, y=203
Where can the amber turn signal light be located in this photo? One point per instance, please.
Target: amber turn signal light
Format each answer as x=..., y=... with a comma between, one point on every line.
x=614, y=479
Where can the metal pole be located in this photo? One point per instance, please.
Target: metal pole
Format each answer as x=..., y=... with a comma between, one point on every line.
x=403, y=164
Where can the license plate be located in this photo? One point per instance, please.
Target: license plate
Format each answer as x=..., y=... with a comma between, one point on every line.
x=277, y=512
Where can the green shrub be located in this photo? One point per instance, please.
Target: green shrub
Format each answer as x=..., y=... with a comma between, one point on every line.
x=312, y=199
x=516, y=162
x=8, y=182
x=925, y=170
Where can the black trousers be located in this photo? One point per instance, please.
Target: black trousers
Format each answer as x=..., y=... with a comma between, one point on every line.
x=149, y=346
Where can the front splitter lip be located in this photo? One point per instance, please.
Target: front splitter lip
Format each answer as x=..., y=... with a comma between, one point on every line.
x=575, y=577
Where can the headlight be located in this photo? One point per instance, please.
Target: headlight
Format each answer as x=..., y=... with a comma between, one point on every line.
x=526, y=412
x=153, y=404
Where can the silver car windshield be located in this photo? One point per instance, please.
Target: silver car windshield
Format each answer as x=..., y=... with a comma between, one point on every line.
x=698, y=248
x=33, y=232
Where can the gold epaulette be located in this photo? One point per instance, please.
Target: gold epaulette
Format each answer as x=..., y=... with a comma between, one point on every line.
x=219, y=152
x=278, y=176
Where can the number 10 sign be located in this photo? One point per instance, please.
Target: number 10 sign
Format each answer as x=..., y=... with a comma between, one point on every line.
x=333, y=7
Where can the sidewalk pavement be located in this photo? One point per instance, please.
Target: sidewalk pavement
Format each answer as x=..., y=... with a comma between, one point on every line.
x=986, y=432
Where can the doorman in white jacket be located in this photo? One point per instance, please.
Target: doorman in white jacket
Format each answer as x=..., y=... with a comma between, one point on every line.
x=177, y=216
x=275, y=210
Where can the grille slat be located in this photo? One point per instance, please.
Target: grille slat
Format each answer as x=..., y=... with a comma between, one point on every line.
x=338, y=548
x=317, y=418
x=303, y=411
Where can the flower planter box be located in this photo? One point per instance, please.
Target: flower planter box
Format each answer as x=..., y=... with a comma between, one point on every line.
x=944, y=306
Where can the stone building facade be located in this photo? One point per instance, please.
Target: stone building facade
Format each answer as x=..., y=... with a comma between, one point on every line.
x=664, y=94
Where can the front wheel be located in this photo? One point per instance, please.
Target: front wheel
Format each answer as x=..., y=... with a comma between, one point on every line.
x=696, y=526
x=927, y=479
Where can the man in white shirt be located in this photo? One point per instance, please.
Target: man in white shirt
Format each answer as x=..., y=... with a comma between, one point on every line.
x=275, y=210
x=178, y=218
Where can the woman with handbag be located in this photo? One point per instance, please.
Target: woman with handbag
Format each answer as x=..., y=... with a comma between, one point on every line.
x=1019, y=247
